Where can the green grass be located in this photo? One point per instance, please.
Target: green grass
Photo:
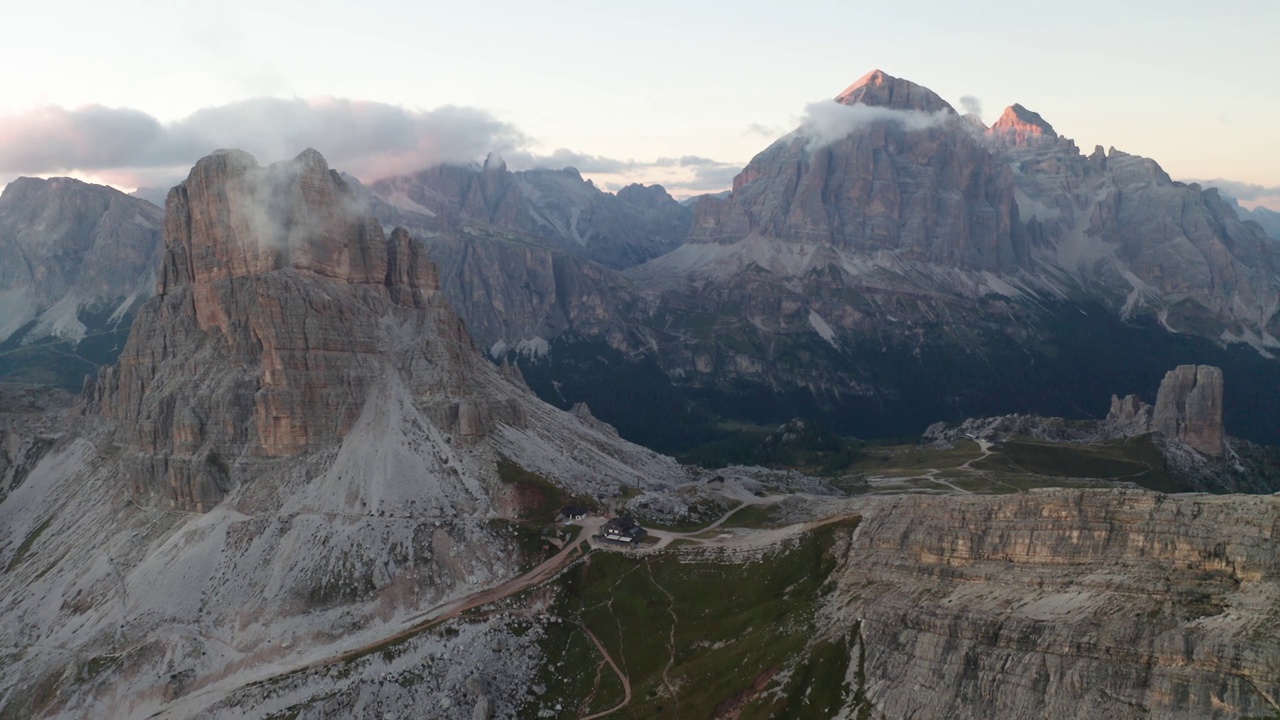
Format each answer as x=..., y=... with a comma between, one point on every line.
x=752, y=516
x=915, y=459
x=736, y=626
x=1134, y=459
x=537, y=498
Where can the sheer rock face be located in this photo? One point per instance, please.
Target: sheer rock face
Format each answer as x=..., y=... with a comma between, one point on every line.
x=927, y=189
x=1089, y=604
x=279, y=305
x=1189, y=408
x=67, y=246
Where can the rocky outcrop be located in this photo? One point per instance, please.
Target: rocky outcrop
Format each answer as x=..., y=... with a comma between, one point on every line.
x=1083, y=604
x=1189, y=408
x=74, y=257
x=1127, y=417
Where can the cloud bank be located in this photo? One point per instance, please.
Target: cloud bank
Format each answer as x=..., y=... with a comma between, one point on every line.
x=371, y=140
x=366, y=138
x=1249, y=195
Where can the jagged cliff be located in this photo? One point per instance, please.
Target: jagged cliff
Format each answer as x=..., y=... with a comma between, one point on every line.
x=1081, y=604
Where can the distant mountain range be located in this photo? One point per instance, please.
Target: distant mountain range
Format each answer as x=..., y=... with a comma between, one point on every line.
x=887, y=264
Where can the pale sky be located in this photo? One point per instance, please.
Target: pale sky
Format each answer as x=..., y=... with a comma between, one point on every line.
x=1188, y=83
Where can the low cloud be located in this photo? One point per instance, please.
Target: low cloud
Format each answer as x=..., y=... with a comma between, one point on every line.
x=368, y=139
x=1250, y=196
x=827, y=121
x=971, y=105
x=682, y=176
x=1245, y=192
x=769, y=131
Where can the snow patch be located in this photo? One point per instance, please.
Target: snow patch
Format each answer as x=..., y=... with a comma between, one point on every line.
x=534, y=347
x=823, y=328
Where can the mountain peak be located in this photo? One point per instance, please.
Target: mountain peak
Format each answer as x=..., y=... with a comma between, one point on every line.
x=1023, y=123
x=884, y=90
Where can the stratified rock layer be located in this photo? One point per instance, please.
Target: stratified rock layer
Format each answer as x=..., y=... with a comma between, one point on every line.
x=1080, y=604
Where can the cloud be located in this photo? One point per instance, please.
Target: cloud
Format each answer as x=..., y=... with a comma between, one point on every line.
x=828, y=121
x=563, y=157
x=368, y=139
x=971, y=105
x=1248, y=192
x=686, y=174
x=769, y=131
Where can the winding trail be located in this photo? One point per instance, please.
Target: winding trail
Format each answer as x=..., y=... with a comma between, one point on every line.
x=626, y=682
x=200, y=700
x=221, y=688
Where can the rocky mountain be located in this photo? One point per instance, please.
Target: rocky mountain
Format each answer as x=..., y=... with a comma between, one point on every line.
x=1118, y=226
x=891, y=260
x=556, y=208
x=76, y=261
x=299, y=448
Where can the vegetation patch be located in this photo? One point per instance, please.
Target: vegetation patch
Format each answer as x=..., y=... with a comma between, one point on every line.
x=1135, y=459
x=700, y=634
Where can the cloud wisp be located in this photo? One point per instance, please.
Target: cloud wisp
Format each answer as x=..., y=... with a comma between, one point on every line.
x=1249, y=195
x=827, y=121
